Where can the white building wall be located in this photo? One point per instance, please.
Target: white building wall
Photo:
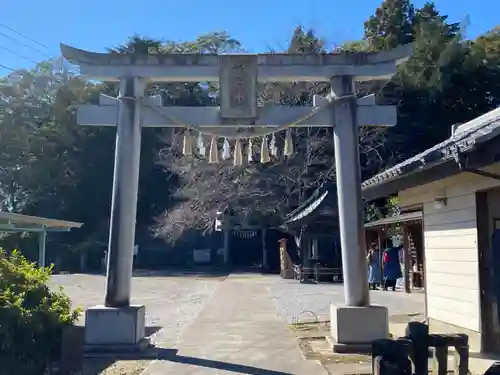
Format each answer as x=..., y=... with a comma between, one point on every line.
x=451, y=252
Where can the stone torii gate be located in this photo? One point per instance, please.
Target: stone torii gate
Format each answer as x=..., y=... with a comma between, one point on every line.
x=119, y=323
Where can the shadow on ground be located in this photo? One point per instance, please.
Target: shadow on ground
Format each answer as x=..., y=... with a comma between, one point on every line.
x=73, y=357
x=208, y=271
x=182, y=272
x=196, y=271
x=200, y=272
x=171, y=355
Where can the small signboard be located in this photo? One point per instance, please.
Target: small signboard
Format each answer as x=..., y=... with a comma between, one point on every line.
x=201, y=255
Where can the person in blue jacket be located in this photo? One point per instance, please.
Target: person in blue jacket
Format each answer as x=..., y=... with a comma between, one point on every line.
x=392, y=267
x=373, y=261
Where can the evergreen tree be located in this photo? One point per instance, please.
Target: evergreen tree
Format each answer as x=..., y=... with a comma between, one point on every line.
x=391, y=25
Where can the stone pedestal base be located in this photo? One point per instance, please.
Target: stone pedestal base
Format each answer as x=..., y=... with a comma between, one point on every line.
x=115, y=328
x=354, y=328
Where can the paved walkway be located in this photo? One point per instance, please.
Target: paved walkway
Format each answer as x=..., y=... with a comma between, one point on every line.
x=237, y=332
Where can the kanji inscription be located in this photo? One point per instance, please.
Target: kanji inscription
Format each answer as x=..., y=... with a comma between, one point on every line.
x=238, y=84
x=237, y=78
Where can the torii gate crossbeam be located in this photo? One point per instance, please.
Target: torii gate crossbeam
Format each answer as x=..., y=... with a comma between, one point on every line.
x=238, y=76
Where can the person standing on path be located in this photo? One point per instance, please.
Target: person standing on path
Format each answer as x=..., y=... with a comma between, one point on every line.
x=104, y=261
x=372, y=259
x=392, y=267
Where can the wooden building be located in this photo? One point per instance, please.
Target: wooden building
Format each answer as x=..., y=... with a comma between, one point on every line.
x=456, y=186
x=409, y=227
x=314, y=227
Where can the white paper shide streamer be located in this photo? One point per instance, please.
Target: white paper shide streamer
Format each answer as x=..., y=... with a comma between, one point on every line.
x=200, y=146
x=187, y=144
x=264, y=151
x=288, y=149
x=267, y=149
x=250, y=151
x=272, y=147
x=238, y=153
x=226, y=150
x=213, y=156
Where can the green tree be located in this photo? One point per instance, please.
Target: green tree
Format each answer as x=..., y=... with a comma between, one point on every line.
x=391, y=25
x=53, y=167
x=33, y=317
x=448, y=79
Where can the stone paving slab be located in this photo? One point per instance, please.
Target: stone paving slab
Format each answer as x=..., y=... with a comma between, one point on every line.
x=237, y=332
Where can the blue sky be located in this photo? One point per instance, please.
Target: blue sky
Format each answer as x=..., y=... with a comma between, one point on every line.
x=258, y=24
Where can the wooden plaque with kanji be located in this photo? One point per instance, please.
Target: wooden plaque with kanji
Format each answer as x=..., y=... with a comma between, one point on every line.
x=238, y=87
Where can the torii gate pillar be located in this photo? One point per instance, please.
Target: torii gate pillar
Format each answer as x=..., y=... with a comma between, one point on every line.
x=357, y=323
x=119, y=324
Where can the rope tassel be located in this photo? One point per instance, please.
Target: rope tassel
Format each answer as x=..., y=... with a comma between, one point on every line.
x=187, y=144
x=288, y=149
x=213, y=157
x=264, y=151
x=238, y=154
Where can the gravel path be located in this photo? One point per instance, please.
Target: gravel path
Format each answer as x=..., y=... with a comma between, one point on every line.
x=295, y=301
x=174, y=301
x=171, y=302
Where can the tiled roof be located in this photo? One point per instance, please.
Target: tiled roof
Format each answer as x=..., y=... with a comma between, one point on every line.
x=321, y=198
x=465, y=138
x=308, y=209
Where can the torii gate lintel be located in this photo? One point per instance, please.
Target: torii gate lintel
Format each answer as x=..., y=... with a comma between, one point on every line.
x=154, y=114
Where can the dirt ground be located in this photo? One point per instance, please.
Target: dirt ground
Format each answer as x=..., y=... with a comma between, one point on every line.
x=312, y=339
x=101, y=366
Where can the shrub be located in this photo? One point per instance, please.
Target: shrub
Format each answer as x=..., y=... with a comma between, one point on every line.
x=32, y=317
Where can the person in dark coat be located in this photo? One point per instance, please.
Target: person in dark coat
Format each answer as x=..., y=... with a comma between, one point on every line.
x=392, y=267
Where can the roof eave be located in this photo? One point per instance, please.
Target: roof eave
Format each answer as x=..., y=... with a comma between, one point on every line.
x=39, y=221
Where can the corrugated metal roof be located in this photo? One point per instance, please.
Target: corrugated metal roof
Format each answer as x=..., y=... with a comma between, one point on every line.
x=465, y=138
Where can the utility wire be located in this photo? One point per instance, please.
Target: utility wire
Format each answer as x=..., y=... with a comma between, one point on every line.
x=24, y=44
x=18, y=55
x=6, y=67
x=24, y=35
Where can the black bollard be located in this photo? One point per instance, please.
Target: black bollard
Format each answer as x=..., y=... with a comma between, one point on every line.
x=461, y=360
x=440, y=360
x=390, y=357
x=440, y=344
x=461, y=344
x=418, y=334
x=382, y=366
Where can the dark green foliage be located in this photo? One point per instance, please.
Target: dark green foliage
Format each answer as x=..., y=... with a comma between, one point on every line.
x=391, y=25
x=32, y=317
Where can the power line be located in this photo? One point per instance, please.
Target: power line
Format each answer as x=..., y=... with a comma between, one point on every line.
x=6, y=67
x=24, y=44
x=23, y=35
x=18, y=55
